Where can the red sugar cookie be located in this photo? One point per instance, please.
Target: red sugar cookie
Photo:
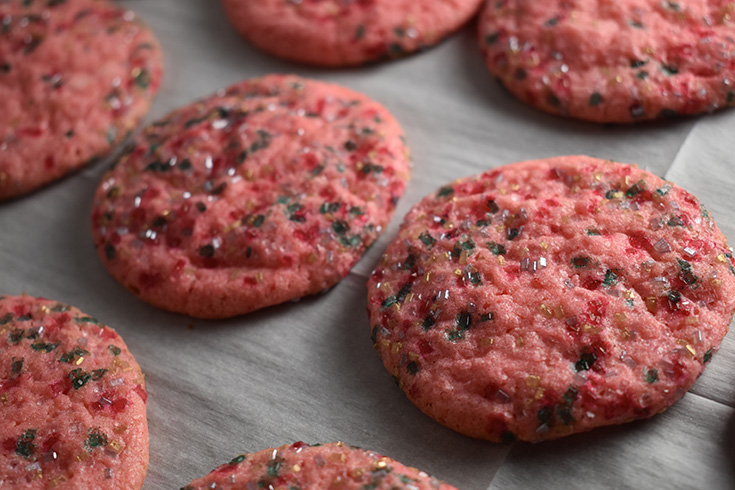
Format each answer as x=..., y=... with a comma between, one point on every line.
x=75, y=77
x=72, y=400
x=269, y=190
x=550, y=297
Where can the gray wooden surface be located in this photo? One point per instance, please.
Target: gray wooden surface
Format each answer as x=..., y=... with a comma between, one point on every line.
x=306, y=370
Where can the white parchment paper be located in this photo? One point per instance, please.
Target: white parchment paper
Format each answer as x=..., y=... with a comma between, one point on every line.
x=306, y=370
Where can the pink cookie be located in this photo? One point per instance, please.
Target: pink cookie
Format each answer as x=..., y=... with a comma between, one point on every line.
x=267, y=191
x=75, y=77
x=317, y=468
x=613, y=60
x=72, y=400
x=344, y=32
x=551, y=297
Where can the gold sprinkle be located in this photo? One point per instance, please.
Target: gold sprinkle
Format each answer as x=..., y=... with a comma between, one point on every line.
x=79, y=361
x=520, y=341
x=427, y=277
x=413, y=356
x=296, y=468
x=559, y=312
x=115, y=446
x=652, y=304
x=532, y=381
x=135, y=72
x=620, y=317
x=312, y=258
x=628, y=294
x=501, y=260
x=692, y=320
x=4, y=397
x=544, y=245
x=396, y=347
x=715, y=282
x=58, y=480
x=259, y=277
x=463, y=257
x=691, y=350
x=457, y=272
x=515, y=187
x=381, y=464
x=82, y=457
x=625, y=333
x=486, y=342
x=591, y=329
x=545, y=311
x=529, y=402
x=119, y=429
x=539, y=393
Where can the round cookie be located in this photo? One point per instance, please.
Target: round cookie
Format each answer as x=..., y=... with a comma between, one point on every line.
x=267, y=191
x=72, y=400
x=317, y=467
x=76, y=76
x=550, y=297
x=613, y=61
x=345, y=33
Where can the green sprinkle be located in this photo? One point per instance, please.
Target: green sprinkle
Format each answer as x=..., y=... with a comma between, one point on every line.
x=79, y=378
x=329, y=207
x=15, y=336
x=115, y=350
x=238, y=460
x=95, y=439
x=16, y=365
x=669, y=69
x=454, y=335
x=496, y=248
x=6, y=318
x=110, y=251
x=427, y=239
x=585, y=362
x=72, y=355
x=580, y=262
x=207, y=251
x=463, y=320
x=593, y=232
x=274, y=466
x=389, y=301
x=412, y=368
x=340, y=227
x=87, y=319
x=42, y=346
x=486, y=317
x=258, y=221
x=651, y=376
x=428, y=322
x=142, y=79
x=444, y=192
x=595, y=99
x=707, y=356
x=492, y=38
x=475, y=278
x=24, y=446
x=610, y=279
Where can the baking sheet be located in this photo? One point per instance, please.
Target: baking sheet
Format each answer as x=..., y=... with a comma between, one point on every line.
x=306, y=370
